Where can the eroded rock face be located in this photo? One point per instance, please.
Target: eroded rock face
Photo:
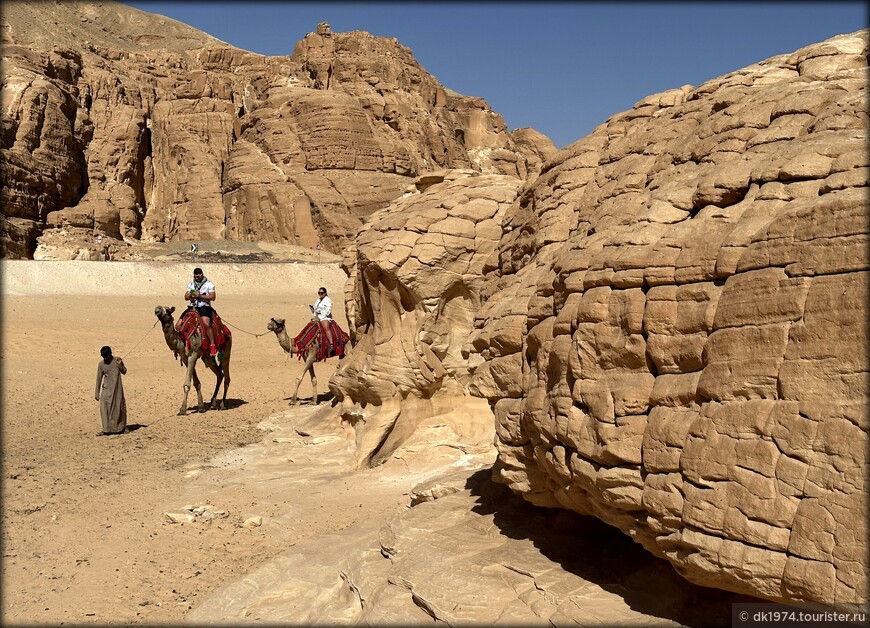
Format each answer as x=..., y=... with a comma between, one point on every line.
x=674, y=340
x=415, y=280
x=132, y=126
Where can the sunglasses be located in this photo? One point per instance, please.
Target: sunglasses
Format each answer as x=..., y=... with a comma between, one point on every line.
x=320, y=292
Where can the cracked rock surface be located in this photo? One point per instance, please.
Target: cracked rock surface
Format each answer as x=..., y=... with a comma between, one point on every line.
x=685, y=289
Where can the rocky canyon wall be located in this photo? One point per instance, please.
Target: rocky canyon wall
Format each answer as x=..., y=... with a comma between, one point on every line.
x=669, y=325
x=128, y=125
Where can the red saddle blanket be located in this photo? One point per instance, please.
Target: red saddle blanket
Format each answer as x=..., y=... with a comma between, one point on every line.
x=312, y=332
x=189, y=322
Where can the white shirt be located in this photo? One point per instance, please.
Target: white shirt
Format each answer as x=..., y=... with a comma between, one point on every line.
x=323, y=309
x=201, y=287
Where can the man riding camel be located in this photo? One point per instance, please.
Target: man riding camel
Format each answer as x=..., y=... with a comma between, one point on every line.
x=200, y=293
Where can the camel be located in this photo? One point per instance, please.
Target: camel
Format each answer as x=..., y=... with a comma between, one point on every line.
x=310, y=354
x=189, y=358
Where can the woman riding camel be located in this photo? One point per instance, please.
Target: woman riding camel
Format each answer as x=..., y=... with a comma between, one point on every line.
x=322, y=310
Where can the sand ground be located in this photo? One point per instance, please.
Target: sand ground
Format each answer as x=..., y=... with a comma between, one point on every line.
x=85, y=538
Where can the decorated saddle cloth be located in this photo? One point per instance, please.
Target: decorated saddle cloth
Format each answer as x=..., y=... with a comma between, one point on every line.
x=312, y=332
x=189, y=322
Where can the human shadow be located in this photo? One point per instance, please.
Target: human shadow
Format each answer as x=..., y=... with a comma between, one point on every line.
x=604, y=555
x=132, y=427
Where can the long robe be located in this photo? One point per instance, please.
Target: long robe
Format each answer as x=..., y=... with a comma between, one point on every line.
x=110, y=390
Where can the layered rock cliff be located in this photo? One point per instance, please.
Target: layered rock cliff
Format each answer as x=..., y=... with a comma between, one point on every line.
x=671, y=332
x=135, y=127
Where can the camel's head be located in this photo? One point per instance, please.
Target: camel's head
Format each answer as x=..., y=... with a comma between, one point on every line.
x=275, y=324
x=164, y=313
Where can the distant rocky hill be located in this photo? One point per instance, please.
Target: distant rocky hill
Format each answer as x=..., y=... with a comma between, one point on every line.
x=130, y=125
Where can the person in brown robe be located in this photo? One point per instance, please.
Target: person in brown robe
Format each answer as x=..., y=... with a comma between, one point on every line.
x=110, y=393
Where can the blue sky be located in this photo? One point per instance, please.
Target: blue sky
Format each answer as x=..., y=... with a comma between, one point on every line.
x=562, y=68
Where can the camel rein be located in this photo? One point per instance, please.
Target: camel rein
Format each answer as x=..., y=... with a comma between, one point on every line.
x=140, y=340
x=243, y=331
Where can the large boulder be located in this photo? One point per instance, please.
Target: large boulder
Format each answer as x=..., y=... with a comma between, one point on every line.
x=673, y=341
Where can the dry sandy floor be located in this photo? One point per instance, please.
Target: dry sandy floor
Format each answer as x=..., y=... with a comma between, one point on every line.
x=85, y=538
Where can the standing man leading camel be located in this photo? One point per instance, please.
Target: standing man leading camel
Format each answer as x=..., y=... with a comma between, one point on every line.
x=110, y=393
x=200, y=293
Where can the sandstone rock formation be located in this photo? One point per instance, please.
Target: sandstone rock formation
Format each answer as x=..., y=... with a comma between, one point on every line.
x=684, y=293
x=671, y=329
x=416, y=277
x=133, y=126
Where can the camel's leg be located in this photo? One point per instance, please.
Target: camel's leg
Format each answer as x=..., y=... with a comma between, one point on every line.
x=222, y=375
x=219, y=376
x=309, y=361
x=197, y=386
x=225, y=367
x=191, y=371
x=313, y=384
x=294, y=398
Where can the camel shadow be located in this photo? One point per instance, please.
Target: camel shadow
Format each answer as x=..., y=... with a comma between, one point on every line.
x=603, y=555
x=309, y=401
x=229, y=404
x=232, y=404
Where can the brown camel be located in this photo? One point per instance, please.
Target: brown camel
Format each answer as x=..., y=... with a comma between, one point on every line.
x=310, y=355
x=189, y=358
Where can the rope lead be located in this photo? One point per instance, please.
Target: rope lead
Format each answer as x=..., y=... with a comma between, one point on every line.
x=124, y=357
x=243, y=331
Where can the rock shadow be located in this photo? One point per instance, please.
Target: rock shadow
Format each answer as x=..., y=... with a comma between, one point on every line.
x=603, y=555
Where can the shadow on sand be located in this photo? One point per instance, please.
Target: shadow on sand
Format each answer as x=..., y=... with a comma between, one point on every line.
x=602, y=554
x=309, y=401
x=229, y=404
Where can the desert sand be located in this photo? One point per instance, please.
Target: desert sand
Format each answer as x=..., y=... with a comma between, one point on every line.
x=266, y=494
x=85, y=537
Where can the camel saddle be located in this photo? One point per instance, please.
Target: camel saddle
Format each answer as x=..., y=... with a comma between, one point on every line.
x=190, y=322
x=312, y=332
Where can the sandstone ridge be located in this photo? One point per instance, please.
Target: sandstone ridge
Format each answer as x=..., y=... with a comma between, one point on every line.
x=666, y=330
x=129, y=125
